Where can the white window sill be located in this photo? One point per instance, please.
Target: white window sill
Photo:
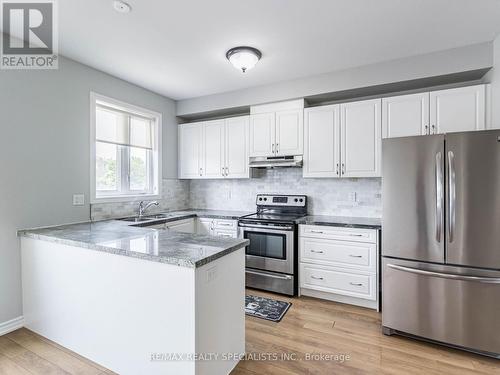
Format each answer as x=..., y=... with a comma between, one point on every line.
x=124, y=198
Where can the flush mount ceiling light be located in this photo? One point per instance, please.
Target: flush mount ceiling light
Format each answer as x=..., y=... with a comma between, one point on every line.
x=121, y=6
x=243, y=58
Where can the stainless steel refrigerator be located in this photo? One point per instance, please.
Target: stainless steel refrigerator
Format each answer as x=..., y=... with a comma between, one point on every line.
x=441, y=239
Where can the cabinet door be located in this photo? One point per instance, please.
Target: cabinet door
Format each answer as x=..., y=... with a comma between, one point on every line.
x=213, y=149
x=204, y=226
x=322, y=142
x=290, y=132
x=361, y=138
x=237, y=147
x=185, y=226
x=456, y=110
x=405, y=115
x=262, y=134
x=190, y=136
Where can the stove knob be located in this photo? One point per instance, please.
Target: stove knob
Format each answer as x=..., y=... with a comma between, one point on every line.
x=265, y=199
x=301, y=200
x=260, y=199
x=296, y=200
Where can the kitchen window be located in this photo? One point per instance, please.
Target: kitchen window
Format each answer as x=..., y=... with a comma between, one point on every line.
x=125, y=151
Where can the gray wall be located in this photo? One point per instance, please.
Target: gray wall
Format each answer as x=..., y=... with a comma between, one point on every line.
x=44, y=154
x=469, y=58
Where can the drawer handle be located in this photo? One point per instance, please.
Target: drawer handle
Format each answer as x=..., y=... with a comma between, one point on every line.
x=317, y=231
x=355, y=256
x=356, y=284
x=225, y=224
x=317, y=252
x=316, y=278
x=356, y=235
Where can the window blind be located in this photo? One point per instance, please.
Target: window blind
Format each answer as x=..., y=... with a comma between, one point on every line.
x=122, y=128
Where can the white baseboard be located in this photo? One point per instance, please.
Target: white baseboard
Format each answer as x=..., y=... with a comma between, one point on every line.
x=11, y=325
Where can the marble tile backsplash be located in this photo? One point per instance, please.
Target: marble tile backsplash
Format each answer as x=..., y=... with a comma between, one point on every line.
x=175, y=196
x=327, y=196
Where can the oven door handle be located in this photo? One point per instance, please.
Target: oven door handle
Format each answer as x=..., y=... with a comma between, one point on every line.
x=272, y=227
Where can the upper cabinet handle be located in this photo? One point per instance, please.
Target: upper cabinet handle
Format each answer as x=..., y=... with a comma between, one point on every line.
x=277, y=148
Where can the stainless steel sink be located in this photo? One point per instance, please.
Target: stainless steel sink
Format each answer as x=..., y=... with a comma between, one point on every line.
x=137, y=219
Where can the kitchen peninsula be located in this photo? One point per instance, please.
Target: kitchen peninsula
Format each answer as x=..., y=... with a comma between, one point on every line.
x=134, y=299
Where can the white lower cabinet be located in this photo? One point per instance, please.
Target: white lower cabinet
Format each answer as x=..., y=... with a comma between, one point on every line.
x=217, y=227
x=339, y=264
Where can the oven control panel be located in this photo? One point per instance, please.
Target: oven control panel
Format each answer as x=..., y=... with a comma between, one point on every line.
x=281, y=200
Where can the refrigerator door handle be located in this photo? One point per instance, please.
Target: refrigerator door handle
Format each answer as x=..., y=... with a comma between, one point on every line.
x=453, y=276
x=439, y=196
x=451, y=196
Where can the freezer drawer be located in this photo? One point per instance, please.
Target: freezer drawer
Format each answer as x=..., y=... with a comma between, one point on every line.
x=454, y=305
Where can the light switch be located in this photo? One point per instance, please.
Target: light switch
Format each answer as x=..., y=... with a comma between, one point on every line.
x=78, y=199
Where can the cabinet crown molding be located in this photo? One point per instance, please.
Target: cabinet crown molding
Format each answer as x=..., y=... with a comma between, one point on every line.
x=278, y=106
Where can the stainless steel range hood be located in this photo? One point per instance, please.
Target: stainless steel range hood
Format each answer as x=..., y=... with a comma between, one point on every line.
x=275, y=161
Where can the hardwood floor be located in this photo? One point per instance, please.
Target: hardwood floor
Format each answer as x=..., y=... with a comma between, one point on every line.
x=316, y=326
x=310, y=326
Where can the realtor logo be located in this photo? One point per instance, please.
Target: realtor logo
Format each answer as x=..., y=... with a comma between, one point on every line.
x=29, y=38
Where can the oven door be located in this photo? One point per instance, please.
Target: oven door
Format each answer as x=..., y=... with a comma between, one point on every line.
x=271, y=247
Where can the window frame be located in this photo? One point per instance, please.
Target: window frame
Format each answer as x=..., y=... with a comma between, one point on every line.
x=155, y=158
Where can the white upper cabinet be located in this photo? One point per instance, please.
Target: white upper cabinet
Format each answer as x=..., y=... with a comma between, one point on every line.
x=460, y=109
x=322, y=141
x=213, y=149
x=405, y=115
x=277, y=129
x=361, y=138
x=236, y=147
x=262, y=134
x=289, y=132
x=190, y=144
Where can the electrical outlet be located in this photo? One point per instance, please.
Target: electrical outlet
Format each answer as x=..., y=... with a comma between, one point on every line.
x=78, y=199
x=352, y=196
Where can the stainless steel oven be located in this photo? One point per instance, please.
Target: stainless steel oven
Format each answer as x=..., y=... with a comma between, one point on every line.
x=271, y=246
x=271, y=256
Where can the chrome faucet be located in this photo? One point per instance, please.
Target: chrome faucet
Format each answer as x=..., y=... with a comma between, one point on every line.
x=143, y=208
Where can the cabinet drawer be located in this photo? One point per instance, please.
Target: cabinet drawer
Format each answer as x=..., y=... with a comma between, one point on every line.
x=226, y=233
x=357, y=255
x=339, y=233
x=225, y=224
x=338, y=281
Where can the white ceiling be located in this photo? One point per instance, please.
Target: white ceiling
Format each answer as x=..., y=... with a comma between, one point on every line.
x=177, y=48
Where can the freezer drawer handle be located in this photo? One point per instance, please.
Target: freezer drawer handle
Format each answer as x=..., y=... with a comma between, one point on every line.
x=356, y=284
x=453, y=276
x=317, y=231
x=355, y=256
x=317, y=252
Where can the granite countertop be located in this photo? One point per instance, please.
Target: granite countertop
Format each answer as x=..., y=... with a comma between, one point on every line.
x=125, y=238
x=342, y=221
x=186, y=214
